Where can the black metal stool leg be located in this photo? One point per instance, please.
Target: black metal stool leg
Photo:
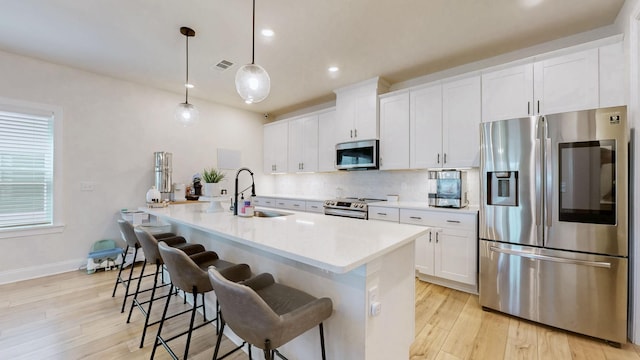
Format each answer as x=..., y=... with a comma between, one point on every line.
x=164, y=315
x=215, y=352
x=135, y=295
x=193, y=318
x=148, y=314
x=324, y=356
x=126, y=291
x=119, y=279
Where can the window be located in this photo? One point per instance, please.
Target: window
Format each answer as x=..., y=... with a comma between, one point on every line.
x=27, y=163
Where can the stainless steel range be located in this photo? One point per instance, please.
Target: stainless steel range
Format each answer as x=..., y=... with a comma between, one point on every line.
x=349, y=207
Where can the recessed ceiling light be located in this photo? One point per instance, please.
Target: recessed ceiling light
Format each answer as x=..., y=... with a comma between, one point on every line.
x=267, y=32
x=189, y=86
x=333, y=69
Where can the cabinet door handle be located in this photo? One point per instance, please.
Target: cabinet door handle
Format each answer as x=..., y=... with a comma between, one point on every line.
x=436, y=237
x=296, y=205
x=538, y=106
x=351, y=134
x=438, y=158
x=429, y=236
x=382, y=214
x=445, y=158
x=314, y=207
x=454, y=221
x=355, y=133
x=528, y=107
x=415, y=217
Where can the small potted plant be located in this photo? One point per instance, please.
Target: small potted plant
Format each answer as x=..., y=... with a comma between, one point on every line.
x=211, y=178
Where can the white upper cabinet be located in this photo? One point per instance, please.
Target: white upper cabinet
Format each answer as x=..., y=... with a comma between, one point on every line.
x=582, y=80
x=443, y=126
x=275, y=147
x=508, y=93
x=612, y=81
x=394, y=131
x=303, y=144
x=461, y=123
x=357, y=111
x=566, y=83
x=425, y=128
x=327, y=140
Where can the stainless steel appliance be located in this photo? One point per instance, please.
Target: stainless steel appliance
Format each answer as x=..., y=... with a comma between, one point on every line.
x=349, y=207
x=448, y=188
x=163, y=170
x=553, y=220
x=357, y=155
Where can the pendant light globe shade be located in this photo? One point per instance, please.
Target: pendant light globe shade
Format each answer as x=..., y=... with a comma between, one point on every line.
x=253, y=83
x=187, y=114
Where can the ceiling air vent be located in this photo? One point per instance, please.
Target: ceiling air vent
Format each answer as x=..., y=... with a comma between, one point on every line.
x=223, y=65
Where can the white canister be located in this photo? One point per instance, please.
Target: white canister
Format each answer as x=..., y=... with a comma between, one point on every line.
x=153, y=195
x=179, y=192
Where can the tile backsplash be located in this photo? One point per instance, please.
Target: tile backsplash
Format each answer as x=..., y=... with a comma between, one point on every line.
x=410, y=185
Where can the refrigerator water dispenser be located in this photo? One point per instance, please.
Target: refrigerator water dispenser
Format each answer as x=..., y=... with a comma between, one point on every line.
x=502, y=188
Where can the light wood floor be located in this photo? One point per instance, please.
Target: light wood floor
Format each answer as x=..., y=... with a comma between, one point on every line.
x=73, y=316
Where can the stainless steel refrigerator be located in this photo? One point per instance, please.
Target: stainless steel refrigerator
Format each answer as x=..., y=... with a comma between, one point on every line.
x=553, y=220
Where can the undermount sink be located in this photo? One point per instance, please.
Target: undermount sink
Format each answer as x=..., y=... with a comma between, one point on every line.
x=269, y=213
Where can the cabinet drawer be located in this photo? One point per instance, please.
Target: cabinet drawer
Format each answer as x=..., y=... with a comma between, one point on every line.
x=263, y=201
x=384, y=213
x=298, y=205
x=314, y=206
x=439, y=219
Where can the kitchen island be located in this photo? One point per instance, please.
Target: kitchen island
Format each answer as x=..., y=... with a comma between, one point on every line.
x=359, y=264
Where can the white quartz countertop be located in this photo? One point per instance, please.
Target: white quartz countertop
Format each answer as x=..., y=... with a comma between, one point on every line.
x=331, y=243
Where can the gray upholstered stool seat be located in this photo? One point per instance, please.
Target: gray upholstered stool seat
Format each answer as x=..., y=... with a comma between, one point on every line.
x=129, y=236
x=152, y=255
x=189, y=273
x=267, y=314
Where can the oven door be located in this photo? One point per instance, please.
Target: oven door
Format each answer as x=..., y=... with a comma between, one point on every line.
x=346, y=213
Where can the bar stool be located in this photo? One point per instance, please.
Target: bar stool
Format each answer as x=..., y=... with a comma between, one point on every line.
x=267, y=314
x=189, y=273
x=150, y=248
x=129, y=236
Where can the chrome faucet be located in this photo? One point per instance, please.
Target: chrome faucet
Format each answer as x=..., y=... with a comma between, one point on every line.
x=236, y=192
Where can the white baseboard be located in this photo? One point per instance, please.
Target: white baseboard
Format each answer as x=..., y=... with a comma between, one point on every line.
x=33, y=272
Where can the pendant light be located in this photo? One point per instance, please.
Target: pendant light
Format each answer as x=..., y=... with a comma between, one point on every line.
x=252, y=81
x=186, y=113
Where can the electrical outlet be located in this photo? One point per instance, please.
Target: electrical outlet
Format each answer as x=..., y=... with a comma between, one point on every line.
x=376, y=308
x=87, y=186
x=373, y=294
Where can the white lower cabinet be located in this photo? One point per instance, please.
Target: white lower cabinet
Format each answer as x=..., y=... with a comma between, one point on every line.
x=264, y=201
x=290, y=204
x=314, y=206
x=448, y=252
x=384, y=213
x=298, y=205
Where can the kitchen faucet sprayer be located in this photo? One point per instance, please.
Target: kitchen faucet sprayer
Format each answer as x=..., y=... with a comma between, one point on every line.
x=236, y=192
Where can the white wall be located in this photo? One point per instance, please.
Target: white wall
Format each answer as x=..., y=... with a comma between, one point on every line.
x=111, y=129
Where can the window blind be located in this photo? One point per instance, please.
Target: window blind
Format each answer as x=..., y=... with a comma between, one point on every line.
x=26, y=169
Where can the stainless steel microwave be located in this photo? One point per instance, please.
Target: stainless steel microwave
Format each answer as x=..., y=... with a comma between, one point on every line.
x=357, y=155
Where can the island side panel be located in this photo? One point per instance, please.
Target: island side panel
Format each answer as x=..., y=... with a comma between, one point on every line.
x=389, y=334
x=344, y=331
